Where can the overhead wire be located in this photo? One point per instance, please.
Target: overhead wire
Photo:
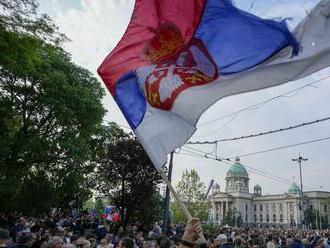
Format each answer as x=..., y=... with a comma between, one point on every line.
x=254, y=170
x=250, y=169
x=260, y=104
x=260, y=133
x=263, y=173
x=279, y=148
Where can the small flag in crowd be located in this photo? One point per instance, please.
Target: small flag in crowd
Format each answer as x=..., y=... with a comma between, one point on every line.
x=177, y=58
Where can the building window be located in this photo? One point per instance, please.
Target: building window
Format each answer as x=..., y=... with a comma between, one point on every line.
x=255, y=207
x=291, y=206
x=281, y=218
x=255, y=218
x=311, y=207
x=246, y=207
x=274, y=218
x=273, y=206
x=261, y=218
x=246, y=218
x=267, y=206
x=325, y=208
x=281, y=207
x=261, y=207
x=267, y=217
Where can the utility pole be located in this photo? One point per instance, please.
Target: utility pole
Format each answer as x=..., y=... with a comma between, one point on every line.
x=302, y=214
x=320, y=216
x=166, y=217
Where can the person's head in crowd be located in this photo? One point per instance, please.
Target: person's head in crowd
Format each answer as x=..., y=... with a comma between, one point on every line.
x=4, y=237
x=103, y=243
x=163, y=242
x=297, y=237
x=59, y=231
x=238, y=241
x=126, y=243
x=149, y=244
x=82, y=242
x=93, y=241
x=26, y=239
x=109, y=237
x=56, y=242
x=305, y=242
x=255, y=241
x=320, y=243
x=221, y=239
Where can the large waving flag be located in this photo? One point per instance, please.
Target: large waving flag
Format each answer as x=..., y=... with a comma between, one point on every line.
x=177, y=58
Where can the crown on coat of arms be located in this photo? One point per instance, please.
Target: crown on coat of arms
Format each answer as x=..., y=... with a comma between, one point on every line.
x=166, y=43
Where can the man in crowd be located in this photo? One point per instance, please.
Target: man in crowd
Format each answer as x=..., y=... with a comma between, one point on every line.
x=4, y=237
x=26, y=239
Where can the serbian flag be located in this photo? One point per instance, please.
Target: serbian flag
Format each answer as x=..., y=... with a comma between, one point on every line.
x=178, y=57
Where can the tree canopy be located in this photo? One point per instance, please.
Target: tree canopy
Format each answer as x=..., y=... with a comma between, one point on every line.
x=50, y=110
x=192, y=191
x=128, y=178
x=54, y=146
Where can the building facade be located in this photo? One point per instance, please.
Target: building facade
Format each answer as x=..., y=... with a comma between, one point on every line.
x=257, y=209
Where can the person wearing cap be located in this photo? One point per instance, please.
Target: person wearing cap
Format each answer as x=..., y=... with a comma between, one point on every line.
x=222, y=241
x=4, y=237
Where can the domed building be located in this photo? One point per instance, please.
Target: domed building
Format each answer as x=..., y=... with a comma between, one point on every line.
x=257, y=209
x=237, y=179
x=294, y=189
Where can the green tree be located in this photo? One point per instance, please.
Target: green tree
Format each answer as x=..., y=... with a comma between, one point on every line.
x=50, y=113
x=99, y=206
x=310, y=217
x=21, y=17
x=192, y=192
x=128, y=178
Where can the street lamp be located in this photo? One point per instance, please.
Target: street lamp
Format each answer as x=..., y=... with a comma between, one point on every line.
x=299, y=160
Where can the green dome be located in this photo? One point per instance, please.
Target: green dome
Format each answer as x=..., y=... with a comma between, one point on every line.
x=294, y=188
x=237, y=170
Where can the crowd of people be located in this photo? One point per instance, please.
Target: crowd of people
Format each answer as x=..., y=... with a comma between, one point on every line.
x=88, y=231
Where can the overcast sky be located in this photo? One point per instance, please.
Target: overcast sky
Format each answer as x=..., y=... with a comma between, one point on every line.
x=95, y=26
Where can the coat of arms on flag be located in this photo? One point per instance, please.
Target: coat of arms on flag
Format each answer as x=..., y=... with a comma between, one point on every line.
x=190, y=66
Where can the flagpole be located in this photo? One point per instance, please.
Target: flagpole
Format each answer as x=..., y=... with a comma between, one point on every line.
x=166, y=219
x=177, y=198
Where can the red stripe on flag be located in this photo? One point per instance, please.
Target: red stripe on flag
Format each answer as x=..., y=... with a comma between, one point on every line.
x=147, y=16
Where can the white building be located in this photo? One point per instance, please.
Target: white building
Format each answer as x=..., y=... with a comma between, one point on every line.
x=256, y=209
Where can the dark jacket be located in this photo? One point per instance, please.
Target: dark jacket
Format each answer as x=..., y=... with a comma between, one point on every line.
x=296, y=244
x=227, y=245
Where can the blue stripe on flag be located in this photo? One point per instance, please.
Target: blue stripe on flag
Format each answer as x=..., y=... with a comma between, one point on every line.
x=238, y=40
x=130, y=99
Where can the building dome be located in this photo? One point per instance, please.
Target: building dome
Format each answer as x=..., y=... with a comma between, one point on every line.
x=237, y=170
x=257, y=186
x=294, y=188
